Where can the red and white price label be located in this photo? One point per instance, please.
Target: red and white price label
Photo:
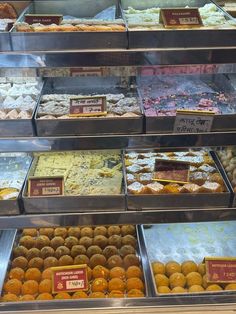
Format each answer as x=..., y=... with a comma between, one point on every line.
x=48, y=186
x=88, y=106
x=220, y=269
x=180, y=17
x=69, y=278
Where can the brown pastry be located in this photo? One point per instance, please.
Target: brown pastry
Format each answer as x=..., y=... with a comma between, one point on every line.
x=94, y=249
x=155, y=188
x=100, y=230
x=172, y=188
x=145, y=178
x=198, y=177
x=78, y=250
x=130, y=178
x=211, y=187
x=7, y=11
x=71, y=241
x=207, y=168
x=47, y=251
x=115, y=240
x=100, y=241
x=110, y=250
x=190, y=188
x=136, y=188
x=62, y=250
x=81, y=259
x=216, y=177
x=34, y=252
x=20, y=251
x=65, y=260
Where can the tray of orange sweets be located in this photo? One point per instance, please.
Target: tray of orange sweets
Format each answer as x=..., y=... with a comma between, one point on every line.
x=112, y=255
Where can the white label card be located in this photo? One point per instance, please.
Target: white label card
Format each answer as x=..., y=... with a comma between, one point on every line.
x=193, y=123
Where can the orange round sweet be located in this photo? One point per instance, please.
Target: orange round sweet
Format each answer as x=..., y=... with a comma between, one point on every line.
x=47, y=274
x=178, y=290
x=99, y=285
x=86, y=232
x=20, y=262
x=177, y=280
x=45, y=286
x=172, y=267
x=27, y=241
x=163, y=289
x=205, y=284
x=114, y=261
x=231, y=286
x=131, y=260
x=49, y=232
x=13, y=286
x=60, y=232
x=188, y=267
x=62, y=296
x=17, y=273
x=196, y=288
x=79, y=295
x=194, y=278
x=33, y=274
x=74, y=232
x=30, y=232
x=134, y=271
x=202, y=269
x=36, y=262
x=89, y=273
x=30, y=287
x=97, y=295
x=117, y=272
x=134, y=283
x=100, y=230
x=214, y=288
x=50, y=262
x=44, y=296
x=100, y=272
x=116, y=284
x=158, y=268
x=97, y=259
x=161, y=280
x=113, y=230
x=135, y=293
x=9, y=297
x=27, y=297
x=116, y=294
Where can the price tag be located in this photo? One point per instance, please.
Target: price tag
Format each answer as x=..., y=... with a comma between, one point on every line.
x=45, y=19
x=69, y=278
x=194, y=121
x=180, y=17
x=47, y=186
x=220, y=269
x=88, y=106
x=86, y=72
x=171, y=171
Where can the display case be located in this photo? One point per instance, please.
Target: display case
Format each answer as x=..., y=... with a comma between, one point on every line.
x=128, y=76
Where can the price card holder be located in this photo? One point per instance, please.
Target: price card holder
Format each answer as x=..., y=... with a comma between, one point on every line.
x=180, y=18
x=86, y=72
x=193, y=121
x=171, y=171
x=45, y=187
x=220, y=269
x=69, y=278
x=88, y=106
x=45, y=19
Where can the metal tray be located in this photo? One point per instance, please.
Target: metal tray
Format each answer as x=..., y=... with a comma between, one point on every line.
x=5, y=40
x=87, y=126
x=68, y=40
x=177, y=38
x=221, y=122
x=189, y=241
x=63, y=204
x=19, y=127
x=176, y=201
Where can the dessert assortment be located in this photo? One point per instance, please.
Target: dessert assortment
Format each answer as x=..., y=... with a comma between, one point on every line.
x=8, y=15
x=84, y=172
x=149, y=19
x=113, y=266
x=203, y=175
x=18, y=97
x=57, y=106
x=228, y=160
x=13, y=168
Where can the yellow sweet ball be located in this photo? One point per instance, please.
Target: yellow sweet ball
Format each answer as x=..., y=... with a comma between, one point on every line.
x=214, y=288
x=161, y=280
x=178, y=290
x=194, y=278
x=205, y=284
x=163, y=289
x=188, y=267
x=196, y=288
x=172, y=267
x=201, y=269
x=158, y=268
x=231, y=286
x=177, y=280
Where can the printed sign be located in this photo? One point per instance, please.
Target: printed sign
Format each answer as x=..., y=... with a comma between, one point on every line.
x=86, y=72
x=194, y=121
x=69, y=278
x=220, y=269
x=171, y=171
x=180, y=17
x=45, y=19
x=47, y=186
x=88, y=106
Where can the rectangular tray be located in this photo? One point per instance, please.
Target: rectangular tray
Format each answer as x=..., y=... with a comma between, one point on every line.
x=63, y=204
x=221, y=122
x=169, y=38
x=68, y=40
x=175, y=201
x=5, y=40
x=189, y=241
x=87, y=126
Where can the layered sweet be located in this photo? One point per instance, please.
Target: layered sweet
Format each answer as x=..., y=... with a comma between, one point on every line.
x=211, y=16
x=18, y=99
x=57, y=106
x=13, y=169
x=203, y=175
x=85, y=172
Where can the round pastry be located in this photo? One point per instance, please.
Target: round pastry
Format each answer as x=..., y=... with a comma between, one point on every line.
x=113, y=230
x=97, y=259
x=126, y=249
x=99, y=285
x=36, y=262
x=161, y=280
x=94, y=249
x=30, y=287
x=101, y=241
x=178, y=290
x=49, y=232
x=131, y=260
x=30, y=232
x=97, y=295
x=134, y=271
x=117, y=272
x=60, y=232
x=177, y=280
x=13, y=286
x=205, y=284
x=34, y=252
x=115, y=240
x=87, y=232
x=74, y=232
x=231, y=286
x=128, y=229
x=100, y=272
x=172, y=267
x=100, y=230
x=114, y=261
x=44, y=296
x=158, y=268
x=20, y=262
x=17, y=273
x=79, y=295
x=134, y=283
x=163, y=289
x=89, y=273
x=50, y=262
x=65, y=260
x=129, y=240
x=47, y=251
x=27, y=241
x=71, y=241
x=81, y=259
x=42, y=241
x=27, y=297
x=33, y=274
x=86, y=241
x=56, y=242
x=20, y=251
x=110, y=250
x=196, y=288
x=47, y=274
x=116, y=294
x=62, y=250
x=116, y=284
x=45, y=286
x=62, y=296
x=214, y=288
x=201, y=269
x=78, y=250
x=9, y=297
x=194, y=278
x=134, y=293
x=188, y=267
